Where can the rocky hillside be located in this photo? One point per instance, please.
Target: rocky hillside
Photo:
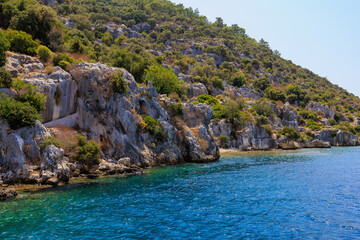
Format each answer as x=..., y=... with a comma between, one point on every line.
x=110, y=87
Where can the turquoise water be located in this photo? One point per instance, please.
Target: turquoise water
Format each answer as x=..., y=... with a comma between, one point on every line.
x=310, y=194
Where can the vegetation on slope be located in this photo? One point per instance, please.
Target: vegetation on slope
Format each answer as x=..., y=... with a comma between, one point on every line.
x=147, y=37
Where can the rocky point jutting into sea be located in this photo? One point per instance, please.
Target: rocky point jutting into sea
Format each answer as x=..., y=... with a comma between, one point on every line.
x=78, y=101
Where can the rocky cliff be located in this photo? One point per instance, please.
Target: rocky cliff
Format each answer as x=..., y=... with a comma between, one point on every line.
x=81, y=100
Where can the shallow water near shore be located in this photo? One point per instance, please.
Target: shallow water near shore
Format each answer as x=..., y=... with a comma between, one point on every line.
x=302, y=194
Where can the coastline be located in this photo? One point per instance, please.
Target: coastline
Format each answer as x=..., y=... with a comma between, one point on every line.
x=21, y=188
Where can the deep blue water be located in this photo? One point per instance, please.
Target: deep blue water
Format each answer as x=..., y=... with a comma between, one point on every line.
x=309, y=194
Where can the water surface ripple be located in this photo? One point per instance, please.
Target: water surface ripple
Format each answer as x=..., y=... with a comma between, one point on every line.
x=309, y=194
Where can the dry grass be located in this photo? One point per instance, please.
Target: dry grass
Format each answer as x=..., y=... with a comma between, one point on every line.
x=203, y=143
x=81, y=57
x=49, y=70
x=67, y=138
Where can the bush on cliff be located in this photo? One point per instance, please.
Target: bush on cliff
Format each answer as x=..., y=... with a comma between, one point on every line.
x=153, y=126
x=276, y=95
x=49, y=140
x=88, y=152
x=289, y=132
x=21, y=42
x=4, y=46
x=176, y=109
x=263, y=109
x=296, y=93
x=261, y=83
x=5, y=78
x=30, y=94
x=44, y=53
x=17, y=114
x=313, y=125
x=308, y=115
x=165, y=81
x=224, y=140
x=117, y=83
x=208, y=99
x=232, y=112
x=31, y=17
x=136, y=64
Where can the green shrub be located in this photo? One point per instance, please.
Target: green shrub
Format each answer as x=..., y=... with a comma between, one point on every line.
x=268, y=130
x=17, y=114
x=262, y=108
x=289, y=132
x=238, y=80
x=313, y=125
x=308, y=115
x=333, y=133
x=223, y=141
x=276, y=95
x=136, y=64
x=217, y=83
x=44, y=53
x=153, y=127
x=357, y=128
x=88, y=152
x=29, y=93
x=332, y=122
x=165, y=81
x=21, y=42
x=4, y=46
x=208, y=99
x=261, y=120
x=49, y=140
x=64, y=64
x=295, y=92
x=107, y=39
x=176, y=109
x=118, y=84
x=76, y=46
x=261, y=83
x=308, y=133
x=63, y=60
x=5, y=78
x=232, y=112
x=337, y=117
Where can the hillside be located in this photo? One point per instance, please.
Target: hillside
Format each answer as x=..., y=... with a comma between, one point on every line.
x=149, y=82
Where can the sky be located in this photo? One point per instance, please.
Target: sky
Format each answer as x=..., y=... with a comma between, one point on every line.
x=321, y=35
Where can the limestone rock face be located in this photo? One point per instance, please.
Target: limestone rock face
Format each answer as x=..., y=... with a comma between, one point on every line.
x=337, y=138
x=243, y=92
x=199, y=142
x=56, y=84
x=252, y=137
x=315, y=106
x=195, y=90
x=289, y=117
x=18, y=150
x=287, y=144
x=114, y=118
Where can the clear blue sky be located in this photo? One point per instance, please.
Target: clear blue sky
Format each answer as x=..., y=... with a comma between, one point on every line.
x=321, y=35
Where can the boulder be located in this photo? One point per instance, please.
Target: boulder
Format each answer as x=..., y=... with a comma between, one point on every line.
x=7, y=193
x=317, y=107
x=196, y=89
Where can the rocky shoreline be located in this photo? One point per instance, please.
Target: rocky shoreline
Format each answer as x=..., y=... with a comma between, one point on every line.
x=78, y=102
x=10, y=191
